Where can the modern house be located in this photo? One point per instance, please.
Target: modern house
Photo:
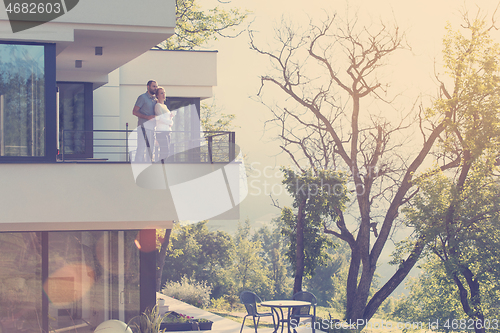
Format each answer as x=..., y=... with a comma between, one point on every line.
x=77, y=221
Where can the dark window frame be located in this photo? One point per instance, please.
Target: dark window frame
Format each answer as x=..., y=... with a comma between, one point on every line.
x=50, y=107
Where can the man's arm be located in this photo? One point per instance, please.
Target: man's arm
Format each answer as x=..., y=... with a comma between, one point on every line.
x=136, y=113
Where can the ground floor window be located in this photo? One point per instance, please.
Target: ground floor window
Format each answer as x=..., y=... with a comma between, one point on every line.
x=86, y=277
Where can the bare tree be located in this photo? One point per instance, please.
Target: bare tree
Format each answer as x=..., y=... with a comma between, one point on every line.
x=336, y=114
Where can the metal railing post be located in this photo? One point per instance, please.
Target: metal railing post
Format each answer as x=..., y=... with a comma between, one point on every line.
x=62, y=145
x=232, y=146
x=127, y=157
x=210, y=148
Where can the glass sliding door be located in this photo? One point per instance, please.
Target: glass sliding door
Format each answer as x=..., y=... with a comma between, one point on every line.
x=90, y=277
x=75, y=119
x=93, y=277
x=22, y=100
x=186, y=136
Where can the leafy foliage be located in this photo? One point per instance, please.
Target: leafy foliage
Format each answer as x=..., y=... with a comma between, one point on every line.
x=200, y=254
x=328, y=281
x=458, y=214
x=148, y=322
x=249, y=269
x=195, y=27
x=432, y=297
x=319, y=195
x=273, y=248
x=214, y=120
x=229, y=264
x=190, y=291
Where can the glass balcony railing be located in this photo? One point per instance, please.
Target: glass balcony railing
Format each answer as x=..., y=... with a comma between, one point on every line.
x=121, y=146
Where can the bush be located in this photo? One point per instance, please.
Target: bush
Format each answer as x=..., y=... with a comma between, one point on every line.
x=190, y=291
x=220, y=304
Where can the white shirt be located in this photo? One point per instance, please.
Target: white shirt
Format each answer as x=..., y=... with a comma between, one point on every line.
x=163, y=117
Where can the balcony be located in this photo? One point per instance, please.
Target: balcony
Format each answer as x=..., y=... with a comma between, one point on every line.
x=201, y=180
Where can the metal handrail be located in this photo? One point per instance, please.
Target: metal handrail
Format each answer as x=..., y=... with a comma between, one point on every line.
x=220, y=146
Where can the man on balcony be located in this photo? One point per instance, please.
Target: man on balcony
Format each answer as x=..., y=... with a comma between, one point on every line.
x=144, y=111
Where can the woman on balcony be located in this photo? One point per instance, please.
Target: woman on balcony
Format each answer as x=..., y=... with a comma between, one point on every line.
x=164, y=124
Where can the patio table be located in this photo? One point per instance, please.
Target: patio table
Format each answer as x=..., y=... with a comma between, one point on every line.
x=280, y=305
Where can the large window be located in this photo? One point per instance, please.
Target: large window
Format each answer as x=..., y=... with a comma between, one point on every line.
x=88, y=277
x=93, y=277
x=27, y=92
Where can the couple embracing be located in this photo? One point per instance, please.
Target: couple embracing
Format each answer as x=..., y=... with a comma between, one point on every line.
x=154, y=119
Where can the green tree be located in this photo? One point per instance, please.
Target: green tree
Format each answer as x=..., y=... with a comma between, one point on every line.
x=432, y=297
x=328, y=281
x=318, y=197
x=463, y=243
x=249, y=270
x=201, y=254
x=458, y=213
x=273, y=248
x=162, y=245
x=196, y=27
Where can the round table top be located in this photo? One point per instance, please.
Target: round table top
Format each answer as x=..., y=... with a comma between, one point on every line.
x=285, y=303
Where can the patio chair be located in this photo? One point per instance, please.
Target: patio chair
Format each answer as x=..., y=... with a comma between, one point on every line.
x=250, y=301
x=305, y=311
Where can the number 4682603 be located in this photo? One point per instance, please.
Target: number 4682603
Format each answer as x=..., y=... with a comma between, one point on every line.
x=470, y=324
x=33, y=8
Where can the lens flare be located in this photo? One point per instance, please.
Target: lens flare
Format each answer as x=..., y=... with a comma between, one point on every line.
x=146, y=240
x=69, y=284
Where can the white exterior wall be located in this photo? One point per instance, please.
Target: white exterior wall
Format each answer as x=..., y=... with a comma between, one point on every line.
x=181, y=73
x=91, y=196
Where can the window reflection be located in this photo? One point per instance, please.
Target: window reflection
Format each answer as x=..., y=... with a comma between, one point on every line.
x=22, y=100
x=20, y=282
x=93, y=276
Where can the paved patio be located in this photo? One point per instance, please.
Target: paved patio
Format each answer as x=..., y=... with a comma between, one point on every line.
x=220, y=325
